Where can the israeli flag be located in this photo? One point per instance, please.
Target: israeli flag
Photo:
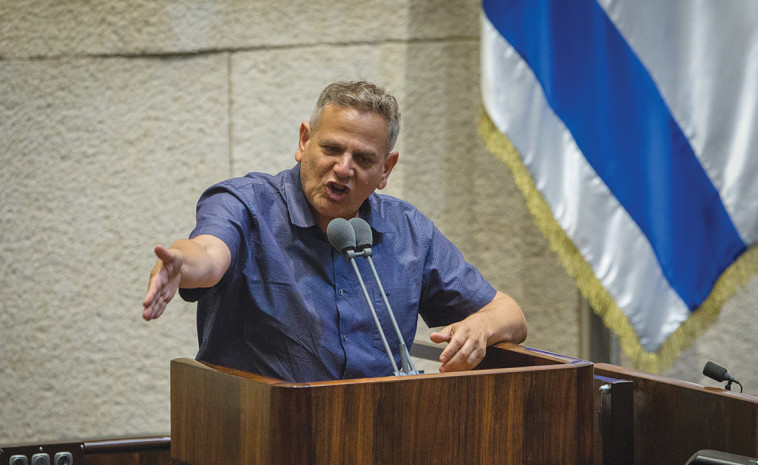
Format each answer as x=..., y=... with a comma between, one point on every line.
x=632, y=129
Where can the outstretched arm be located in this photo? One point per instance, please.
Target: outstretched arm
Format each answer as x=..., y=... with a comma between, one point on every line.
x=188, y=263
x=500, y=320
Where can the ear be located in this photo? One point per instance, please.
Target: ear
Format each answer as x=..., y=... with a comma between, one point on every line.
x=305, y=136
x=389, y=163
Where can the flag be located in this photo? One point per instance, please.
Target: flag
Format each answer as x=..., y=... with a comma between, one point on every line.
x=631, y=127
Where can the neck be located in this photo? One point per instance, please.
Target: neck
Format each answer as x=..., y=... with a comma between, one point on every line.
x=323, y=221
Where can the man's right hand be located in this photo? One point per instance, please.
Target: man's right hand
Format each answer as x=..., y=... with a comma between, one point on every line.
x=164, y=282
x=188, y=263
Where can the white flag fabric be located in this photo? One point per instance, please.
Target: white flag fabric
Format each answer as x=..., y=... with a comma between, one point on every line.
x=632, y=129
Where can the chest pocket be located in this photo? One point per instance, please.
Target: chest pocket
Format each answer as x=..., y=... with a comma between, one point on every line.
x=404, y=307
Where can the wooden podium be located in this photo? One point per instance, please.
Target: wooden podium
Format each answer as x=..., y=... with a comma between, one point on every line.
x=524, y=407
x=670, y=419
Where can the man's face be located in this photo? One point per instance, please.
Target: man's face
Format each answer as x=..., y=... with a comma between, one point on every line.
x=343, y=161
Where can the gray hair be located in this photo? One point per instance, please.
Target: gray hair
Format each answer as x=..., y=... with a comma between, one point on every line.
x=362, y=96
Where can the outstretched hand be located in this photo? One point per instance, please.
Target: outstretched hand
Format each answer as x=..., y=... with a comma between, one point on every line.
x=164, y=282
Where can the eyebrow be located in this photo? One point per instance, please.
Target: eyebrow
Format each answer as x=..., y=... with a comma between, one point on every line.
x=334, y=143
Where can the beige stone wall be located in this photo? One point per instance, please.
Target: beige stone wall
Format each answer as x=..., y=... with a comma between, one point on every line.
x=114, y=116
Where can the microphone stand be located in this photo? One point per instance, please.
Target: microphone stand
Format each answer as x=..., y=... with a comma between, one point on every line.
x=728, y=386
x=405, y=356
x=351, y=257
x=342, y=236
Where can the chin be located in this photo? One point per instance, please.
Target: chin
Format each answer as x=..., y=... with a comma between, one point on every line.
x=346, y=213
x=328, y=211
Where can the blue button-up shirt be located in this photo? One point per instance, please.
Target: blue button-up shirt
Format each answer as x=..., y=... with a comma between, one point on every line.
x=290, y=305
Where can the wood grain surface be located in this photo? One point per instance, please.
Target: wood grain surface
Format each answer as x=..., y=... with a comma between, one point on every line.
x=537, y=414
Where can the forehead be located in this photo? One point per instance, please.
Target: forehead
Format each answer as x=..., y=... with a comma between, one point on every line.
x=349, y=125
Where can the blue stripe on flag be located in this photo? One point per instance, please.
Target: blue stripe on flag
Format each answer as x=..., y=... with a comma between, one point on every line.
x=599, y=88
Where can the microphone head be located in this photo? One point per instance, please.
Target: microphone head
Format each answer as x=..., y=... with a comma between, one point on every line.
x=363, y=235
x=341, y=234
x=715, y=372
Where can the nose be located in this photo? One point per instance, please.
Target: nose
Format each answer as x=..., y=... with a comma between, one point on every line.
x=343, y=166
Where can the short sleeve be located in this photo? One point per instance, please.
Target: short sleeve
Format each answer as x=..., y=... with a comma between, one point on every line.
x=220, y=213
x=452, y=288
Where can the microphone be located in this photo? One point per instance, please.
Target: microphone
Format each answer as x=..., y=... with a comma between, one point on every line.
x=363, y=235
x=342, y=237
x=719, y=373
x=363, y=240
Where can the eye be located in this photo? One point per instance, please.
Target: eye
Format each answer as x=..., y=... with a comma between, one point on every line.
x=365, y=161
x=332, y=149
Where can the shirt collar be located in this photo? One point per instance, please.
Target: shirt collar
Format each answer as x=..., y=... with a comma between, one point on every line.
x=300, y=212
x=297, y=203
x=370, y=212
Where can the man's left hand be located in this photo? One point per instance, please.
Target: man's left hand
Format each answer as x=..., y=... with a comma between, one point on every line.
x=501, y=320
x=465, y=349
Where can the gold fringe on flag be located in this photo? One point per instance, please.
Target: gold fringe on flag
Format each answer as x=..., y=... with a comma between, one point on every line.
x=735, y=277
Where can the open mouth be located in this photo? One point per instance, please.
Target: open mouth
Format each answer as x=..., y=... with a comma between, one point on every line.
x=337, y=189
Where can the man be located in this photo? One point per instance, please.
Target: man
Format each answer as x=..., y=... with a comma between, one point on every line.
x=275, y=298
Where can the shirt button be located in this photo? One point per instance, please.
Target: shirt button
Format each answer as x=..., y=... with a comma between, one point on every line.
x=340, y=292
x=344, y=338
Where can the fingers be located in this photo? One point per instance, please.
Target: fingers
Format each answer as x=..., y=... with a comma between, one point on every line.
x=159, y=289
x=464, y=351
x=154, y=284
x=156, y=306
x=467, y=358
x=163, y=254
x=442, y=336
x=159, y=293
